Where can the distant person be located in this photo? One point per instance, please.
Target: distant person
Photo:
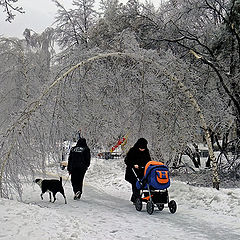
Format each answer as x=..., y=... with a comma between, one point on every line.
x=78, y=163
x=79, y=134
x=137, y=157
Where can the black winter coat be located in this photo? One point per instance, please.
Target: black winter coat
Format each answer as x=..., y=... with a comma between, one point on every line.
x=79, y=157
x=136, y=157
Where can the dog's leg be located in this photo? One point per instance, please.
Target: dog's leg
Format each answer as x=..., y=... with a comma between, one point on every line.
x=41, y=196
x=50, y=196
x=64, y=198
x=62, y=192
x=54, y=197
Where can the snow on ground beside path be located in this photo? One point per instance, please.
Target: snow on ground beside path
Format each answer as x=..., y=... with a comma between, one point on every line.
x=104, y=212
x=21, y=221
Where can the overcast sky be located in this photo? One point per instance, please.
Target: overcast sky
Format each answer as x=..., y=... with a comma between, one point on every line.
x=39, y=14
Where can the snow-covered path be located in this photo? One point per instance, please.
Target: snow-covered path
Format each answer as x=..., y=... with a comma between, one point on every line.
x=99, y=215
x=116, y=218
x=105, y=212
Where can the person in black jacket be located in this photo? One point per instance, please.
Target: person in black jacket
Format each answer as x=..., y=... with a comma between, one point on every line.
x=137, y=157
x=78, y=163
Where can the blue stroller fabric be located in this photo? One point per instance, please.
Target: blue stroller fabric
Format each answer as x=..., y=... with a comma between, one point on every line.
x=157, y=176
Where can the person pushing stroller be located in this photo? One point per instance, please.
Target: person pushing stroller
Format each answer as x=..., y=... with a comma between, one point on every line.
x=137, y=157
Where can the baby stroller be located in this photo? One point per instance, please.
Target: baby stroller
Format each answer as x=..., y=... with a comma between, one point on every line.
x=153, y=188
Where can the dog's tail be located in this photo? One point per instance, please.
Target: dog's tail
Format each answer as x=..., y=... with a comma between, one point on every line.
x=61, y=179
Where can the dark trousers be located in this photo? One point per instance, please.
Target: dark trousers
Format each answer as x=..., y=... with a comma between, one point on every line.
x=77, y=177
x=135, y=193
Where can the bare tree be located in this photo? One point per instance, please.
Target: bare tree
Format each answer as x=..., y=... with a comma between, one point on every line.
x=22, y=78
x=73, y=26
x=9, y=8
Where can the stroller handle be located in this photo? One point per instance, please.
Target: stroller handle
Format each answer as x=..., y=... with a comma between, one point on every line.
x=137, y=175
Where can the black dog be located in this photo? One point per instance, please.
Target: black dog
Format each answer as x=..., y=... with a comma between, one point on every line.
x=51, y=185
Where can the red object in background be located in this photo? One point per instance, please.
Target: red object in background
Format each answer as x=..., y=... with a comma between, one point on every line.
x=120, y=142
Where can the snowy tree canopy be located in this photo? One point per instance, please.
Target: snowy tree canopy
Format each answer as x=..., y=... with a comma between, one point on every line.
x=168, y=74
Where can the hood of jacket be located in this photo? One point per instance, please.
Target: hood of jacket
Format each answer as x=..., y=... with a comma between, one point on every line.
x=81, y=142
x=141, y=143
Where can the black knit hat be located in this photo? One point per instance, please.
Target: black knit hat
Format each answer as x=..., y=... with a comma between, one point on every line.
x=141, y=143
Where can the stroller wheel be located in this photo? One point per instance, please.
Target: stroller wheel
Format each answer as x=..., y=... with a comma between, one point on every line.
x=172, y=206
x=150, y=207
x=160, y=206
x=138, y=204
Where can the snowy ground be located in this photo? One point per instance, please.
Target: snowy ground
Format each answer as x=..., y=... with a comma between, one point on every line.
x=104, y=211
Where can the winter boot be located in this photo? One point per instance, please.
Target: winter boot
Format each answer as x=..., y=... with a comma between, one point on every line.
x=77, y=195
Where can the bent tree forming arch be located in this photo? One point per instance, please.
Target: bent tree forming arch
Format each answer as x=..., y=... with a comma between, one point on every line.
x=33, y=106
